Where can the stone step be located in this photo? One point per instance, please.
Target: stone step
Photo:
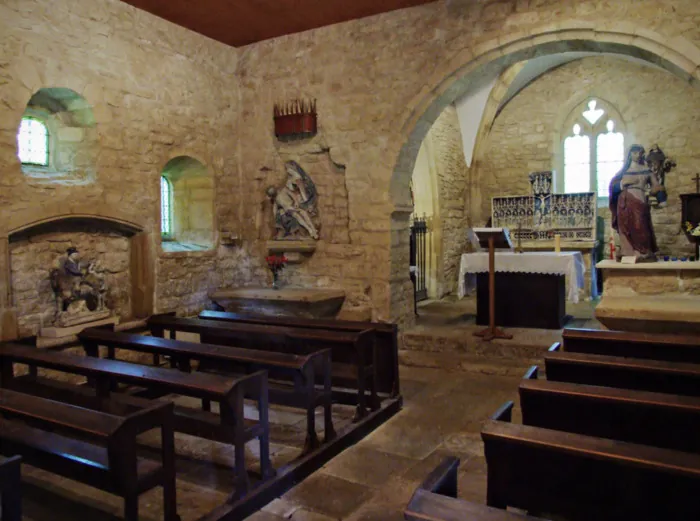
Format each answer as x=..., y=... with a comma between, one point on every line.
x=526, y=343
x=470, y=363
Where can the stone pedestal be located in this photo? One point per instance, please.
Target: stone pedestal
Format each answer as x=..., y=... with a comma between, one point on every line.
x=660, y=297
x=294, y=302
x=69, y=330
x=588, y=251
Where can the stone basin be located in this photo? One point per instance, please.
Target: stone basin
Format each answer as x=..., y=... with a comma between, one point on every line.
x=291, y=302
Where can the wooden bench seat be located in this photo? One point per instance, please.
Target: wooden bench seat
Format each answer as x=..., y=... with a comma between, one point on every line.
x=299, y=371
x=656, y=419
x=626, y=373
x=436, y=500
x=349, y=349
x=583, y=478
x=229, y=426
x=11, y=488
x=93, y=447
x=386, y=342
x=652, y=346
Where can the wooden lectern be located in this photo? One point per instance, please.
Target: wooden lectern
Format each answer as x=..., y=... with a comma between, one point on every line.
x=493, y=238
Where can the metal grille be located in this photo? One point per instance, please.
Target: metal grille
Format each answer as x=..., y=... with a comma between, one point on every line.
x=418, y=257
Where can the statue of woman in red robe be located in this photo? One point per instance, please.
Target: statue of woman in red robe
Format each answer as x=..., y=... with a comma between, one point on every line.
x=631, y=216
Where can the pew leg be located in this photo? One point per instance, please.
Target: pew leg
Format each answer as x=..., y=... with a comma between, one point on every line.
x=311, y=443
x=361, y=410
x=374, y=402
x=494, y=495
x=169, y=475
x=11, y=499
x=131, y=506
x=242, y=481
x=328, y=427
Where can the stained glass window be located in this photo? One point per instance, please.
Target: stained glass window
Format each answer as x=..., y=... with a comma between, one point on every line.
x=594, y=151
x=577, y=162
x=33, y=142
x=166, y=203
x=610, y=157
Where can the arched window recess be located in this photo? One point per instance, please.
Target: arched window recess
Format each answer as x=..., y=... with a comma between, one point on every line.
x=593, y=148
x=166, y=208
x=33, y=142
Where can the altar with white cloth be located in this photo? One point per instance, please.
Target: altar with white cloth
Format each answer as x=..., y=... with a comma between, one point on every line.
x=531, y=288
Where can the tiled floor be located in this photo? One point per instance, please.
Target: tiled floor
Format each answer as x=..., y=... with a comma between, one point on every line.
x=374, y=479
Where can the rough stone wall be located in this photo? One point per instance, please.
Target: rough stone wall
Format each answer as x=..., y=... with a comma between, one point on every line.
x=157, y=91
x=368, y=77
x=333, y=262
x=32, y=257
x=453, y=175
x=657, y=107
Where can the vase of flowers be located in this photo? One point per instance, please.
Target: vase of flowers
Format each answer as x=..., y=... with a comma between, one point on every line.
x=275, y=263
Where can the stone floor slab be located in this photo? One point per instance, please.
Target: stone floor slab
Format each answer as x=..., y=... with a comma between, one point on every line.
x=329, y=495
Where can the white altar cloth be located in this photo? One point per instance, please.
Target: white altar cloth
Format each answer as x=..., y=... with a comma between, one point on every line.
x=569, y=263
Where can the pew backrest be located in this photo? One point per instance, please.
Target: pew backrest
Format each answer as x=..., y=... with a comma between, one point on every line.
x=436, y=500
x=584, y=478
x=177, y=348
x=656, y=419
x=385, y=338
x=628, y=373
x=203, y=386
x=653, y=346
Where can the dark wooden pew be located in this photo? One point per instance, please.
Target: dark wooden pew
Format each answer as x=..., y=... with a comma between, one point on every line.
x=385, y=339
x=11, y=488
x=229, y=426
x=626, y=373
x=583, y=478
x=660, y=420
x=42, y=431
x=298, y=370
x=352, y=352
x=436, y=500
x=652, y=346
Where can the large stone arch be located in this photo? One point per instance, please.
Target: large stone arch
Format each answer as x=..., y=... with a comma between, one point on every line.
x=469, y=68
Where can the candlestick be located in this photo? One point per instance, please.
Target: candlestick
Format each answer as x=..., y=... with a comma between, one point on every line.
x=557, y=243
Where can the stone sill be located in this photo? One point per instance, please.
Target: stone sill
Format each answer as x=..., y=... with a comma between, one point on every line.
x=651, y=307
x=166, y=253
x=312, y=295
x=650, y=266
x=67, y=341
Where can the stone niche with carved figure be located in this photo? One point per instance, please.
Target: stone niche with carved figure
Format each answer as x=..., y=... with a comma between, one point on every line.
x=66, y=271
x=294, y=214
x=81, y=292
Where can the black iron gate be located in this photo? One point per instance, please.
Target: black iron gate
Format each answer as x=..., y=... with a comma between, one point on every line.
x=418, y=257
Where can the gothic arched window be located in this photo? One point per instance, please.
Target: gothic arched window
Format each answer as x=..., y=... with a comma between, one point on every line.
x=33, y=142
x=166, y=207
x=594, y=149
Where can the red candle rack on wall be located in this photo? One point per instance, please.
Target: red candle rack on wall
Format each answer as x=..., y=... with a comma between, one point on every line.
x=295, y=119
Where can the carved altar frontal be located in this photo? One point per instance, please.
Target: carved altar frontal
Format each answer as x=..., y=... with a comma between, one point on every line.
x=542, y=214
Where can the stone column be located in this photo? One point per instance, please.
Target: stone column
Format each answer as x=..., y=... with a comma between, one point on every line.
x=402, y=305
x=143, y=275
x=8, y=316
